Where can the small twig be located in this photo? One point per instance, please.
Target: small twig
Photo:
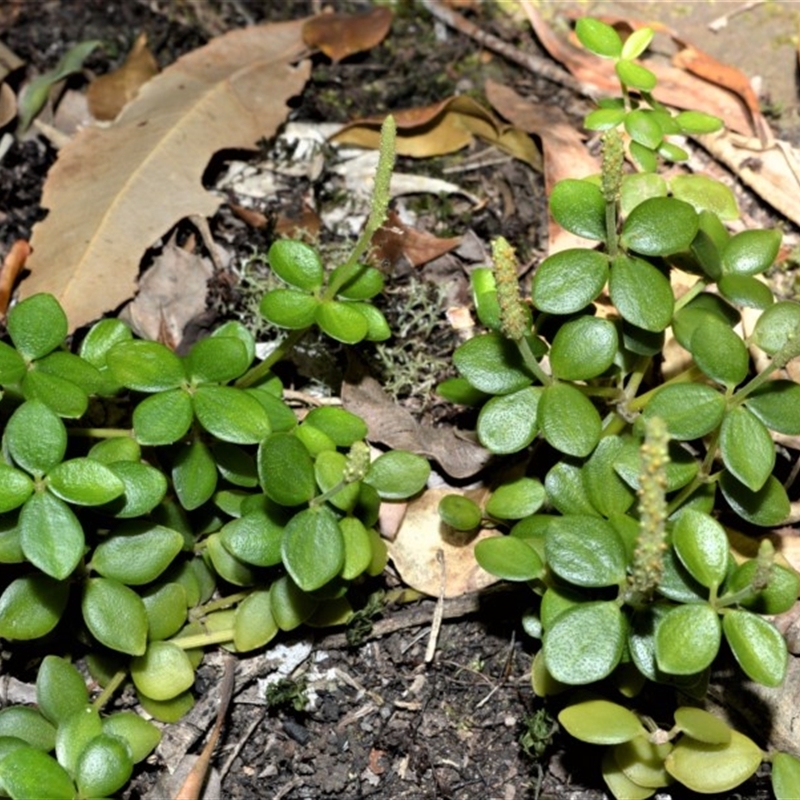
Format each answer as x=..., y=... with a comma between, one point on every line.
x=715, y=26
x=533, y=63
x=13, y=264
x=192, y=788
x=438, y=611
x=241, y=743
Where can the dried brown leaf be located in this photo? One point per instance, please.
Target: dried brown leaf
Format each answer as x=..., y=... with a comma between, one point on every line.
x=393, y=426
x=8, y=104
x=565, y=154
x=342, y=35
x=443, y=128
x=414, y=551
x=394, y=239
x=13, y=264
x=109, y=93
x=113, y=192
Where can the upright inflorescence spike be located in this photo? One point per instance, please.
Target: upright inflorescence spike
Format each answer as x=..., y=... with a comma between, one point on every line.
x=513, y=320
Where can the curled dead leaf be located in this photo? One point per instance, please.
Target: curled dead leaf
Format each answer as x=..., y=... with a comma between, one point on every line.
x=342, y=35
x=443, y=128
x=394, y=239
x=8, y=104
x=419, y=539
x=110, y=93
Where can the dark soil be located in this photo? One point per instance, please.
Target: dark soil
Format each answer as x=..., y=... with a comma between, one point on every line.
x=380, y=722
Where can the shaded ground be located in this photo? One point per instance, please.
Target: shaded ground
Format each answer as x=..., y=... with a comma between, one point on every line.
x=380, y=722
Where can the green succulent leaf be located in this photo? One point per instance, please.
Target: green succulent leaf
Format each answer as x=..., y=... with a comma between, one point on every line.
x=378, y=329
x=255, y=538
x=688, y=639
x=137, y=553
x=28, y=772
x=779, y=595
x=619, y=784
x=767, y=507
x=358, y=550
x=635, y=75
x=702, y=726
x=35, y=437
x=194, y=474
x=719, y=352
x=583, y=348
x=690, y=410
x=289, y=308
x=228, y=566
x=578, y=206
x=168, y=711
x=60, y=689
x=460, y=512
x=507, y=424
x=51, y=535
x=702, y=546
x=601, y=119
x=598, y=38
x=286, y=470
x=751, y=252
x=104, y=767
x=145, y=366
x=230, y=414
x=636, y=43
x=313, y=548
x=102, y=336
x=492, y=363
x=660, y=226
x=777, y=326
x=747, y=448
x=31, y=606
x=163, y=418
x=785, y=775
x=296, y=263
x=705, y=194
x=516, y=499
x=744, y=290
x=698, y=122
x=254, y=626
x=566, y=490
x=713, y=768
x=638, y=187
x=509, y=558
x=162, y=671
x=85, y=482
x=586, y=551
x=642, y=126
x=585, y=643
x=341, y=321
x=74, y=733
x=758, y=646
x=217, y=359
x=600, y=722
x=142, y=736
x=62, y=396
x=290, y=605
x=145, y=487
x=12, y=365
x=569, y=280
x=365, y=285
x=568, y=420
x=166, y=605
x=607, y=491
x=398, y=475
x=115, y=615
x=343, y=427
x=644, y=157
x=641, y=293
x=15, y=488
x=37, y=326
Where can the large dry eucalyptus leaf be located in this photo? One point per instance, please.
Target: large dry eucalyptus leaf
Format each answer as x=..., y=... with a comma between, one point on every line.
x=113, y=192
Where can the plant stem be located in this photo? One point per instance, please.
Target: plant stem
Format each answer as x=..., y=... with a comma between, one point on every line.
x=203, y=639
x=219, y=603
x=101, y=433
x=531, y=363
x=689, y=295
x=261, y=370
x=116, y=681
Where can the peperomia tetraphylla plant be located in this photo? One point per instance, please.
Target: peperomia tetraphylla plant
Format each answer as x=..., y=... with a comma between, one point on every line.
x=152, y=505
x=615, y=522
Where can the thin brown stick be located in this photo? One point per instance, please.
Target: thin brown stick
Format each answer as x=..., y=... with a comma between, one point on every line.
x=533, y=63
x=13, y=264
x=192, y=788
